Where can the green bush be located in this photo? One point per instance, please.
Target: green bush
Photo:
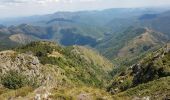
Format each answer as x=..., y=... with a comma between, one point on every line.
x=14, y=80
x=126, y=84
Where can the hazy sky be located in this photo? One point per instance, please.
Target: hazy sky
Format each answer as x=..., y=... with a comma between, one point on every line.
x=15, y=8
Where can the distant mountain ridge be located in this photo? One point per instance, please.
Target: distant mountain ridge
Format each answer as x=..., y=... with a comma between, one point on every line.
x=131, y=43
x=26, y=33
x=102, y=30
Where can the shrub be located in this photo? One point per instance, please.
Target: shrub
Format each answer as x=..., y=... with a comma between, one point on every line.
x=14, y=80
x=126, y=84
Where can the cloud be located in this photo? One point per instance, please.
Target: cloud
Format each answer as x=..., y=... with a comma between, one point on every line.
x=44, y=1
x=15, y=8
x=26, y=1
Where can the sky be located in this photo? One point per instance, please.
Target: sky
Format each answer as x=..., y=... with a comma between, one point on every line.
x=18, y=8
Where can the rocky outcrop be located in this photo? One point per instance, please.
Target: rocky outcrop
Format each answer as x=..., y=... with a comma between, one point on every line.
x=152, y=67
x=26, y=64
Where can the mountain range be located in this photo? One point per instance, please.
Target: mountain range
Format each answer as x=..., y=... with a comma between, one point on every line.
x=112, y=54
x=109, y=31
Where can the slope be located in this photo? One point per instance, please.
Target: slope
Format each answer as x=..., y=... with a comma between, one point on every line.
x=65, y=72
x=149, y=77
